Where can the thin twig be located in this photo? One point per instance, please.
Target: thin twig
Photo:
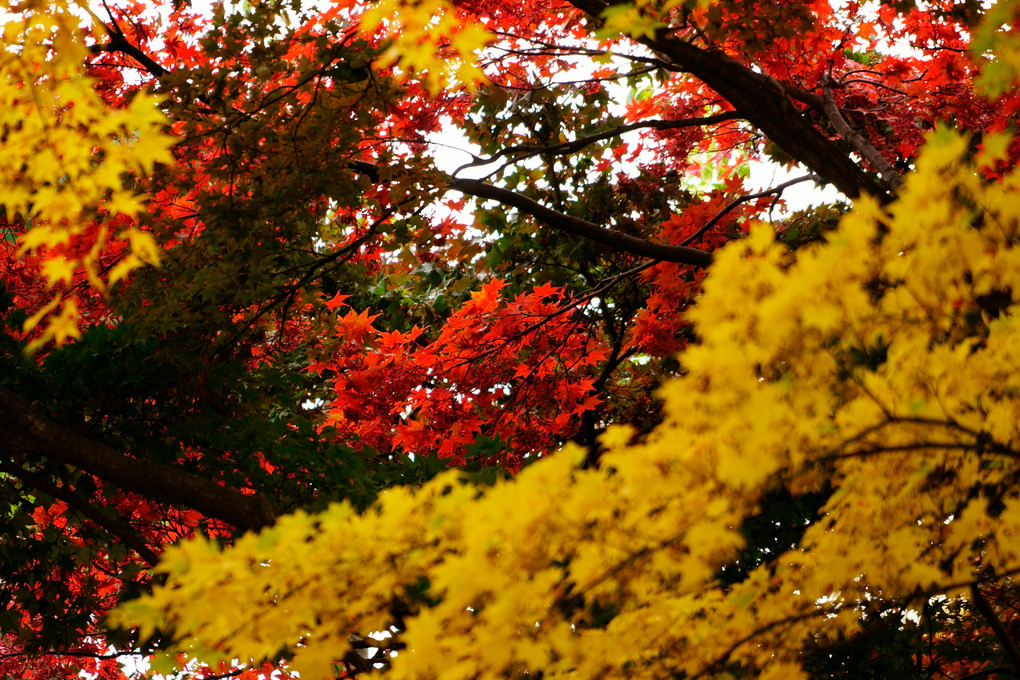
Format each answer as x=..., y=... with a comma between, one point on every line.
x=778, y=189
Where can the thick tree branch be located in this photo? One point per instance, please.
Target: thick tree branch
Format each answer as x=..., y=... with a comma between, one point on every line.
x=108, y=524
x=23, y=429
x=889, y=175
x=578, y=227
x=120, y=43
x=765, y=103
x=657, y=252
x=760, y=99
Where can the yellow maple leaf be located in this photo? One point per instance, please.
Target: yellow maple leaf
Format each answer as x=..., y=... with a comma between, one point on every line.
x=55, y=126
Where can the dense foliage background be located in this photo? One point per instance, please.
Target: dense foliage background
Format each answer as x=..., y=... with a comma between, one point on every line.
x=238, y=285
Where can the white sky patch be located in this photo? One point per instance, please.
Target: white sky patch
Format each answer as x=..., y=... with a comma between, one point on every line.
x=799, y=196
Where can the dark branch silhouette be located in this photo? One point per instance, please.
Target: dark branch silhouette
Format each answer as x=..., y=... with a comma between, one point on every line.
x=575, y=225
x=24, y=430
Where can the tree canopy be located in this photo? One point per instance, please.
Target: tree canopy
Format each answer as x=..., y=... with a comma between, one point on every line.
x=283, y=391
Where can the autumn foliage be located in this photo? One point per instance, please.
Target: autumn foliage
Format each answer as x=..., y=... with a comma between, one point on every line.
x=283, y=388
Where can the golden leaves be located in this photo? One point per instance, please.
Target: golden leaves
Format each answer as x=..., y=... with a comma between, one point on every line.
x=627, y=19
x=995, y=42
x=872, y=363
x=65, y=152
x=430, y=39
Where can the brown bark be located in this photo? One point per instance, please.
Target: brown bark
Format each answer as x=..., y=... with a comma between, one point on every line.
x=24, y=430
x=765, y=103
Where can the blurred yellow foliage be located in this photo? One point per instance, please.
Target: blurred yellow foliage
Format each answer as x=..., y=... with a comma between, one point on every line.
x=430, y=39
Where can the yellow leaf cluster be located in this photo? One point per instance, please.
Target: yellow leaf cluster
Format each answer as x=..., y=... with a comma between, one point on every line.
x=428, y=38
x=995, y=44
x=65, y=152
x=626, y=19
x=883, y=364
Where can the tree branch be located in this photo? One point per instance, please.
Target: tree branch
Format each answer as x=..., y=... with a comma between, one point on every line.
x=889, y=175
x=526, y=150
x=578, y=227
x=24, y=429
x=988, y=612
x=778, y=189
x=119, y=43
x=108, y=524
x=765, y=103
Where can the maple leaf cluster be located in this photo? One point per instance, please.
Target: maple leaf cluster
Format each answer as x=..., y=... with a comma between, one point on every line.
x=440, y=396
